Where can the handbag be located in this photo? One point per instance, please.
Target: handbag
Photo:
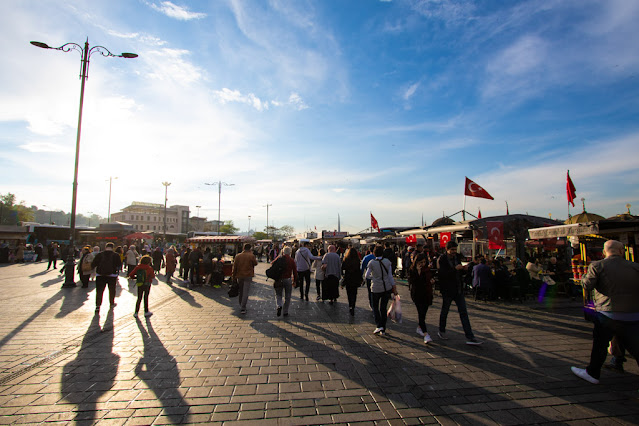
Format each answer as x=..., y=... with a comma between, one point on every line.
x=234, y=289
x=395, y=310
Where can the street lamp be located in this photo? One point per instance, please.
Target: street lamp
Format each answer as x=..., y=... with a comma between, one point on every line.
x=166, y=198
x=248, y=234
x=69, y=279
x=267, y=206
x=219, y=199
x=110, y=182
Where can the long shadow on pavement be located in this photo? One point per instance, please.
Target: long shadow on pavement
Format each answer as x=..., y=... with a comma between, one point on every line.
x=159, y=370
x=92, y=373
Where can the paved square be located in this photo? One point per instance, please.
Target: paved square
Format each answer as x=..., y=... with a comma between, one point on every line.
x=198, y=360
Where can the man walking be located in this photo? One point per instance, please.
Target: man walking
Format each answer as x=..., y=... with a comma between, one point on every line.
x=108, y=263
x=449, y=271
x=304, y=259
x=243, y=272
x=615, y=282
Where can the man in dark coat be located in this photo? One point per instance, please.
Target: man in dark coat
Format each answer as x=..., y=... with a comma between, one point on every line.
x=450, y=270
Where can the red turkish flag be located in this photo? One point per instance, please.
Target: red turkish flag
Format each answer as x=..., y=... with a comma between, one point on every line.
x=411, y=239
x=495, y=235
x=374, y=223
x=444, y=237
x=479, y=215
x=570, y=189
x=474, y=190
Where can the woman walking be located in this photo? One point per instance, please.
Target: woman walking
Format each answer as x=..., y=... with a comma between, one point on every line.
x=143, y=274
x=420, y=285
x=352, y=277
x=380, y=272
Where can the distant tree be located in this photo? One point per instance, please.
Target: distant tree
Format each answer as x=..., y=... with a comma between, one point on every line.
x=259, y=235
x=228, y=228
x=12, y=213
x=287, y=231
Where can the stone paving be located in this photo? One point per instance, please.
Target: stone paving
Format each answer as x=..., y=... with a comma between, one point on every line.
x=198, y=360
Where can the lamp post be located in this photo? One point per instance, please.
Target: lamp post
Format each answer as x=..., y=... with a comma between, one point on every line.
x=90, y=213
x=110, y=182
x=248, y=234
x=219, y=199
x=166, y=198
x=69, y=279
x=267, y=206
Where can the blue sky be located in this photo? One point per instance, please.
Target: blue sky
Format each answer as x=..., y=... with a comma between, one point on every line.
x=325, y=107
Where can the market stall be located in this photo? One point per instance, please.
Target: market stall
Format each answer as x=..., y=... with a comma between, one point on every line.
x=226, y=246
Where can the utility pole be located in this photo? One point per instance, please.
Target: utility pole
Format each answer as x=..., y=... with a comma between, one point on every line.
x=267, y=206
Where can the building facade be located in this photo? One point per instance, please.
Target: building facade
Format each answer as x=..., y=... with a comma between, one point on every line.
x=150, y=217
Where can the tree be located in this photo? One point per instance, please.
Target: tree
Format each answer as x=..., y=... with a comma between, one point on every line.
x=259, y=235
x=12, y=213
x=287, y=231
x=228, y=228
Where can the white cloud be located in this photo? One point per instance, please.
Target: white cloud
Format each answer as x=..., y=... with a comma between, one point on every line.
x=408, y=93
x=170, y=65
x=43, y=147
x=226, y=95
x=172, y=10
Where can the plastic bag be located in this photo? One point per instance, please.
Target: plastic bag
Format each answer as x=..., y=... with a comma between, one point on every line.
x=395, y=310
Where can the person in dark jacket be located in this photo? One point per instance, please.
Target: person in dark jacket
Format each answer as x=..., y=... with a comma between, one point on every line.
x=420, y=284
x=450, y=270
x=482, y=280
x=107, y=264
x=352, y=277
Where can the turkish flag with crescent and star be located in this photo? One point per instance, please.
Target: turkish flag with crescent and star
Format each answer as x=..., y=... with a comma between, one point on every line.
x=411, y=239
x=474, y=190
x=374, y=223
x=444, y=237
x=495, y=235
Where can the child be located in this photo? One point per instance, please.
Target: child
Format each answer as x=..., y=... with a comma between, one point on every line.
x=143, y=274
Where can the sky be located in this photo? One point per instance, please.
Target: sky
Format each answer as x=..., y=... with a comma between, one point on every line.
x=324, y=108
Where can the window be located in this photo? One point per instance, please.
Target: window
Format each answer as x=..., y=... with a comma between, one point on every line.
x=154, y=227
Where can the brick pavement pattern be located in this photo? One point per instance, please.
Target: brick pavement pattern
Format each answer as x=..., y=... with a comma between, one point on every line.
x=198, y=360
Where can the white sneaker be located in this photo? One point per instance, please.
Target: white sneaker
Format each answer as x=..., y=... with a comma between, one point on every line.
x=583, y=374
x=148, y=314
x=419, y=331
x=427, y=338
x=378, y=330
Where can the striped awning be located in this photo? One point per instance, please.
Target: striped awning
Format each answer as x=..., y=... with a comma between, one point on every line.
x=213, y=239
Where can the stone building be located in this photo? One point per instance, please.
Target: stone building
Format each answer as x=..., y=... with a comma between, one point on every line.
x=150, y=217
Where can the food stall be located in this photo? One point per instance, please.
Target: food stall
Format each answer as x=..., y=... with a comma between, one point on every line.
x=587, y=240
x=228, y=246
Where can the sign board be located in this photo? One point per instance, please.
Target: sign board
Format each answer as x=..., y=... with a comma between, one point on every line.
x=334, y=234
x=563, y=231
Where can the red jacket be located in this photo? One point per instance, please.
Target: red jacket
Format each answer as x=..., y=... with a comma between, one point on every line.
x=290, y=269
x=149, y=272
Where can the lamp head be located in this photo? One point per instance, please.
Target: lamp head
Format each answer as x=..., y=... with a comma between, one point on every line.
x=127, y=55
x=40, y=44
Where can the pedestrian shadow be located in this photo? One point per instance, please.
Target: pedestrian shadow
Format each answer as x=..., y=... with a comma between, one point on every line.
x=38, y=274
x=92, y=373
x=53, y=281
x=184, y=294
x=72, y=300
x=159, y=371
x=53, y=299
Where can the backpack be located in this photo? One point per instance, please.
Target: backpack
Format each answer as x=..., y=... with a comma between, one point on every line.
x=106, y=267
x=86, y=263
x=277, y=269
x=140, y=277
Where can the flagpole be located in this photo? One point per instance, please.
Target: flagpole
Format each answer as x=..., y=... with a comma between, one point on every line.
x=464, y=209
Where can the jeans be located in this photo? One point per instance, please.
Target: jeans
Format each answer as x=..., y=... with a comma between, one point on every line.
x=604, y=329
x=370, y=295
x=195, y=274
x=380, y=305
x=460, y=301
x=287, y=287
x=100, y=284
x=301, y=277
x=245, y=287
x=143, y=293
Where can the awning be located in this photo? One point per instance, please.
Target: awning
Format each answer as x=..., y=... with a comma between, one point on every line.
x=234, y=239
x=460, y=227
x=574, y=229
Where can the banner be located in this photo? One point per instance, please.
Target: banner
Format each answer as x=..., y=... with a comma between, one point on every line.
x=411, y=239
x=495, y=235
x=444, y=237
x=474, y=190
